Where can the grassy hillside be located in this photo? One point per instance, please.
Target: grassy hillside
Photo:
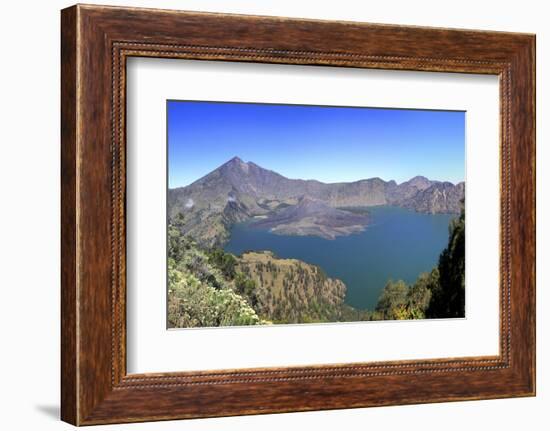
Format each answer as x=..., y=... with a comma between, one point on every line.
x=200, y=294
x=210, y=287
x=292, y=291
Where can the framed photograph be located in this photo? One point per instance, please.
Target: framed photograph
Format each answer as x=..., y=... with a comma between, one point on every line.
x=323, y=214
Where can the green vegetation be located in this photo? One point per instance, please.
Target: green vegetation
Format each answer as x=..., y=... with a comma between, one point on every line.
x=200, y=288
x=438, y=294
x=401, y=302
x=210, y=287
x=289, y=290
x=193, y=303
x=448, y=296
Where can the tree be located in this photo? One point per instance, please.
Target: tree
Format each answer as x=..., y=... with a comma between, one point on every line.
x=401, y=302
x=226, y=262
x=392, y=300
x=420, y=293
x=177, y=243
x=448, y=296
x=246, y=287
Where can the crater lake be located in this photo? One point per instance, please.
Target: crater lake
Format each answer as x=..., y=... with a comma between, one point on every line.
x=397, y=244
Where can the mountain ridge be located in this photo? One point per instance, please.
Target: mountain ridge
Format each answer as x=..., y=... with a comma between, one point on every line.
x=237, y=159
x=238, y=191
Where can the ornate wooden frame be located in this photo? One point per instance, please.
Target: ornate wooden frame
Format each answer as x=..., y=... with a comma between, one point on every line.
x=95, y=43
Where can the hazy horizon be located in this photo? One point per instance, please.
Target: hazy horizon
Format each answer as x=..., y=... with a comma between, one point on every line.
x=327, y=144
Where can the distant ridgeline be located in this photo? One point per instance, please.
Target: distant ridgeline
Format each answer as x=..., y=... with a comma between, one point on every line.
x=210, y=287
x=239, y=191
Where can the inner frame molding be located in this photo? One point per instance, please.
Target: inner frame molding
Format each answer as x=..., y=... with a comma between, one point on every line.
x=96, y=42
x=344, y=365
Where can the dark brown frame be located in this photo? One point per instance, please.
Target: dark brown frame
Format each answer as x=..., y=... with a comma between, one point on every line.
x=95, y=43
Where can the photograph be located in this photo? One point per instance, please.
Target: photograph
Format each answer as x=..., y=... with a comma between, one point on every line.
x=293, y=214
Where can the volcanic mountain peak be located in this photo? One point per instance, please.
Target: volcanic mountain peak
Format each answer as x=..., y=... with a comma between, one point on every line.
x=235, y=162
x=419, y=182
x=235, y=159
x=241, y=174
x=238, y=190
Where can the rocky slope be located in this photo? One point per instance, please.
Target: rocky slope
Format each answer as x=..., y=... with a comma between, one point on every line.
x=238, y=191
x=441, y=197
x=312, y=217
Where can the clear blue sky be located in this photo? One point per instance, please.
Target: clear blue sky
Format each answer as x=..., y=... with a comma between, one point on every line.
x=329, y=144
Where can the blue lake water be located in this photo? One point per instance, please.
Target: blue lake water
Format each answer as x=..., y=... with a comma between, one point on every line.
x=397, y=244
